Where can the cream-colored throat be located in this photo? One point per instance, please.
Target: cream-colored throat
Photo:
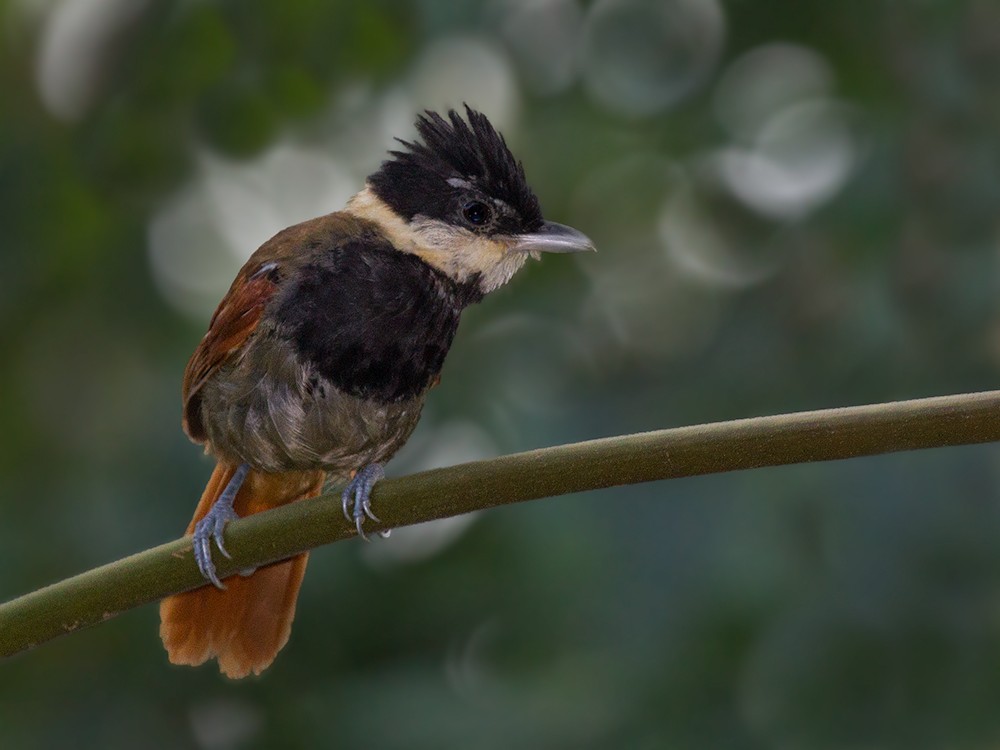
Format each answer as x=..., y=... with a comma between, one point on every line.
x=455, y=251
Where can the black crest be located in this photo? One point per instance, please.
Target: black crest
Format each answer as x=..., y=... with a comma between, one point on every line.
x=457, y=161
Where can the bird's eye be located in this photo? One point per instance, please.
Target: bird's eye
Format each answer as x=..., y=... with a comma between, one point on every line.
x=476, y=213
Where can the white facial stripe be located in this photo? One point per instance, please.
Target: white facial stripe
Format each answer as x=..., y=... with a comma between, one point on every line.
x=458, y=253
x=502, y=206
x=461, y=254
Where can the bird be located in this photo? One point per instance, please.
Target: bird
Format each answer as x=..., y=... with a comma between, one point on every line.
x=317, y=361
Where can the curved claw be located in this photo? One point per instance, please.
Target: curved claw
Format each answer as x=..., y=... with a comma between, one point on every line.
x=345, y=501
x=356, y=497
x=212, y=527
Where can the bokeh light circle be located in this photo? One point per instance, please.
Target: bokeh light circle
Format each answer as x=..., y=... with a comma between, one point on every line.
x=466, y=69
x=765, y=80
x=642, y=57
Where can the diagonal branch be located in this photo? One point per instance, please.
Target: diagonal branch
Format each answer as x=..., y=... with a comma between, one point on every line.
x=104, y=592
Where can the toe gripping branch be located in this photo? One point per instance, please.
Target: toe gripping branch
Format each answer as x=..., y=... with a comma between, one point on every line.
x=356, y=498
x=357, y=506
x=211, y=527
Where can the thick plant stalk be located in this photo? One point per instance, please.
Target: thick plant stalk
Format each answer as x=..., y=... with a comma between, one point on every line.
x=105, y=592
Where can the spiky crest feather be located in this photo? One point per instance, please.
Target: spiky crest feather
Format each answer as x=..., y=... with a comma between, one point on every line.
x=426, y=179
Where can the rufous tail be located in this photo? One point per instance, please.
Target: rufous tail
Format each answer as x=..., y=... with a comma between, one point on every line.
x=246, y=625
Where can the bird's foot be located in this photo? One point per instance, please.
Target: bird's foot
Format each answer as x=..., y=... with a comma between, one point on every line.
x=212, y=526
x=356, y=498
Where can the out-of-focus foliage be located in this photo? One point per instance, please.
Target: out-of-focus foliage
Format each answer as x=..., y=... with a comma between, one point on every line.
x=796, y=205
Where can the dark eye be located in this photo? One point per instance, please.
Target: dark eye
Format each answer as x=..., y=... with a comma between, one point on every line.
x=476, y=213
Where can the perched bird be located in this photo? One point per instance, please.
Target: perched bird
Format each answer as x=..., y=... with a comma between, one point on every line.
x=318, y=359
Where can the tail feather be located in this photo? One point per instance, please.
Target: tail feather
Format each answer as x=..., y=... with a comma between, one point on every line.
x=246, y=625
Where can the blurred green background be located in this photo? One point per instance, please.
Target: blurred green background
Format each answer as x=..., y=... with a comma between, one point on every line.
x=796, y=207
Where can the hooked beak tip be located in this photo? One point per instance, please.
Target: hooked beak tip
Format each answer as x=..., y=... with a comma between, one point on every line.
x=554, y=238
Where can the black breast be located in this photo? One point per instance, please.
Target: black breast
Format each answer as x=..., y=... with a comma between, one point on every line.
x=374, y=321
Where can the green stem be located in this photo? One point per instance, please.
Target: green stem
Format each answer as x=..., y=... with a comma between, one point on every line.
x=102, y=593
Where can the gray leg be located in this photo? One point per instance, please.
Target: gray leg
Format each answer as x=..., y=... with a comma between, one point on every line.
x=357, y=495
x=212, y=525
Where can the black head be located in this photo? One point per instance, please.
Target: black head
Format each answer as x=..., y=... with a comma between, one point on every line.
x=462, y=174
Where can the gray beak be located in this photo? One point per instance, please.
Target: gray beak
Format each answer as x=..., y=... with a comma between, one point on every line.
x=554, y=238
